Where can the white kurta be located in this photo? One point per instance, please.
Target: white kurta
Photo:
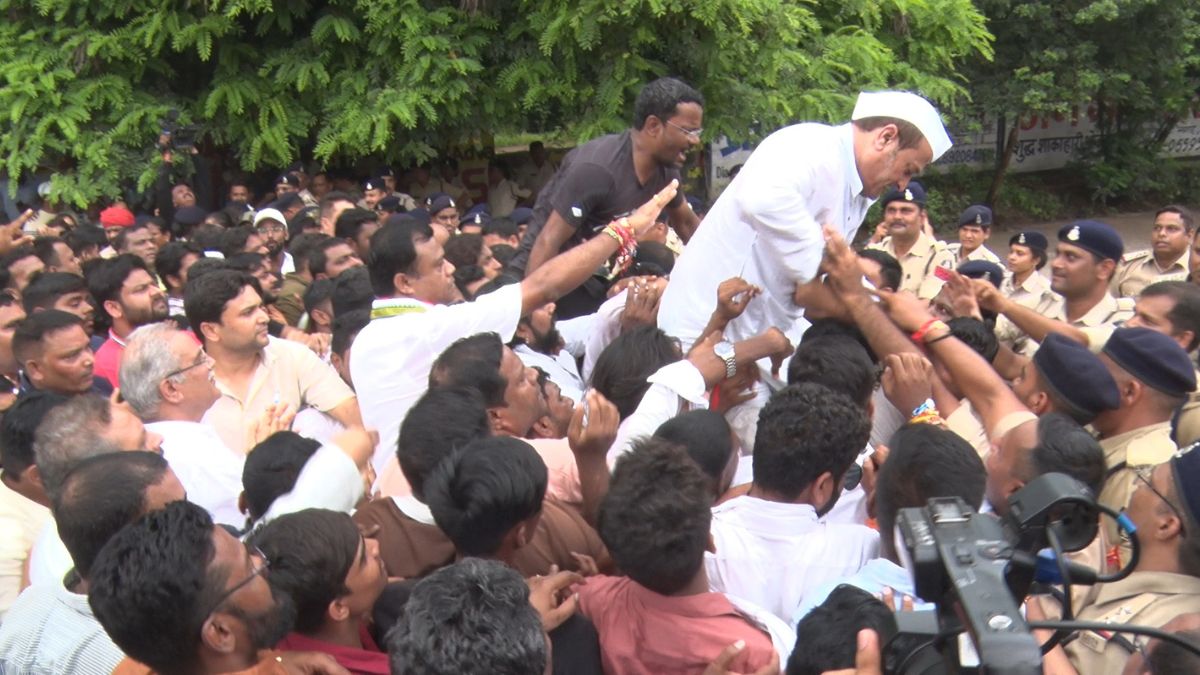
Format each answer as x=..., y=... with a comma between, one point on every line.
x=766, y=228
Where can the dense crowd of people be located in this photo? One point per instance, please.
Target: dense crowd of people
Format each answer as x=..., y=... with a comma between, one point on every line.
x=583, y=426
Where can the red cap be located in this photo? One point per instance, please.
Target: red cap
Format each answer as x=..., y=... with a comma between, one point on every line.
x=116, y=216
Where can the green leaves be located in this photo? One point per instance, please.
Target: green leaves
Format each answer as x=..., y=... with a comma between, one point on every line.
x=83, y=85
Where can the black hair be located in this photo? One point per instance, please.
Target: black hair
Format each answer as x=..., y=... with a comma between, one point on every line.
x=318, y=255
x=122, y=237
x=501, y=227
x=826, y=638
x=317, y=292
x=287, y=201
x=209, y=236
x=463, y=250
x=30, y=333
x=18, y=425
x=474, y=362
x=932, y=462
x=705, y=436
x=832, y=327
x=622, y=368
x=301, y=246
x=503, y=253
x=151, y=587
x=1189, y=223
x=890, y=272
x=806, y=430
x=652, y=258
x=351, y=221
x=204, y=266
x=84, y=237
x=1065, y=447
x=101, y=495
x=46, y=288
x=346, y=327
x=106, y=280
x=272, y=467
x=975, y=334
x=247, y=261
x=205, y=296
x=483, y=490
x=444, y=419
x=1168, y=658
x=311, y=553
x=19, y=253
x=465, y=276
x=394, y=251
x=169, y=260
x=352, y=291
x=655, y=518
x=227, y=217
x=470, y=618
x=43, y=248
x=1184, y=316
x=839, y=364
x=233, y=240
x=661, y=98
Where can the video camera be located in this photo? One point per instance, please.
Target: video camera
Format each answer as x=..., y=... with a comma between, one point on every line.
x=179, y=136
x=978, y=568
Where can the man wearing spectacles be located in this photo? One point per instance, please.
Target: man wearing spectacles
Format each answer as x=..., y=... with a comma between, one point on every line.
x=1165, y=508
x=179, y=594
x=610, y=177
x=272, y=227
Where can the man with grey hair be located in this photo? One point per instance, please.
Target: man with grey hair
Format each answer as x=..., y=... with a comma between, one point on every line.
x=166, y=377
x=86, y=426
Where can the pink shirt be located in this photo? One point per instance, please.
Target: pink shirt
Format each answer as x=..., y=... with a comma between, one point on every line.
x=645, y=633
x=108, y=359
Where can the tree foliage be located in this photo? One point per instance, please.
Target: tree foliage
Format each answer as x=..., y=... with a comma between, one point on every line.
x=85, y=84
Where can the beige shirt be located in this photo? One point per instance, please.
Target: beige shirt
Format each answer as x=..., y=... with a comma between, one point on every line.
x=965, y=422
x=1034, y=293
x=1187, y=430
x=20, y=522
x=981, y=253
x=288, y=373
x=1123, y=453
x=1143, y=598
x=918, y=264
x=1138, y=270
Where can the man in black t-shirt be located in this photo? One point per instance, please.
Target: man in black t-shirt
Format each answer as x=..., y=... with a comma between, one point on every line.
x=610, y=177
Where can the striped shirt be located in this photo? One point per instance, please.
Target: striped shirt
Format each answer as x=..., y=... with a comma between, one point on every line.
x=52, y=630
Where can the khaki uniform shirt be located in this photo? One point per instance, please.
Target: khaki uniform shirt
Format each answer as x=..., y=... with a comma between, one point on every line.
x=1139, y=269
x=1033, y=293
x=918, y=264
x=981, y=253
x=290, y=300
x=288, y=373
x=1123, y=453
x=1143, y=598
x=1187, y=430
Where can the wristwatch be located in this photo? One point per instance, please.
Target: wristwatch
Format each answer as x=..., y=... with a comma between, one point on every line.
x=724, y=351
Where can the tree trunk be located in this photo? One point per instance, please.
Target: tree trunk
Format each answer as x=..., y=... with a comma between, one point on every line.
x=1010, y=148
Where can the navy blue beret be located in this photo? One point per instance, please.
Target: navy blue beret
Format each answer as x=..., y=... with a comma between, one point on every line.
x=521, y=215
x=1076, y=375
x=982, y=269
x=190, y=216
x=478, y=215
x=1032, y=239
x=1185, y=466
x=288, y=179
x=440, y=201
x=976, y=214
x=1094, y=236
x=915, y=193
x=1154, y=358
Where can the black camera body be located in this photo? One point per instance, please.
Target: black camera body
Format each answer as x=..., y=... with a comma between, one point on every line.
x=179, y=136
x=977, y=568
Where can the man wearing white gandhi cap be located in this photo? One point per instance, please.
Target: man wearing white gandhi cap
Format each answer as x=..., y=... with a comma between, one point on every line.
x=766, y=226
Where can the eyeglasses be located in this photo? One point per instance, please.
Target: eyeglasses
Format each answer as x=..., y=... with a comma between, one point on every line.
x=202, y=360
x=690, y=133
x=271, y=228
x=1144, y=473
x=255, y=552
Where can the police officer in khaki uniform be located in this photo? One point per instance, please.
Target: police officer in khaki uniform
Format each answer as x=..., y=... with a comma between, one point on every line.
x=974, y=228
x=1154, y=376
x=1026, y=286
x=918, y=253
x=1166, y=260
x=1165, y=508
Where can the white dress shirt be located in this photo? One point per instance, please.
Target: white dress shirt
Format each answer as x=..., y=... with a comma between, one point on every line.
x=766, y=228
x=773, y=554
x=875, y=576
x=560, y=368
x=605, y=327
x=393, y=355
x=671, y=387
x=209, y=471
x=49, y=560
x=21, y=520
x=52, y=630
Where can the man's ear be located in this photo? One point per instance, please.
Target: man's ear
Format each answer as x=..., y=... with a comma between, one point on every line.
x=885, y=135
x=114, y=309
x=338, y=610
x=210, y=331
x=402, y=284
x=218, y=634
x=169, y=392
